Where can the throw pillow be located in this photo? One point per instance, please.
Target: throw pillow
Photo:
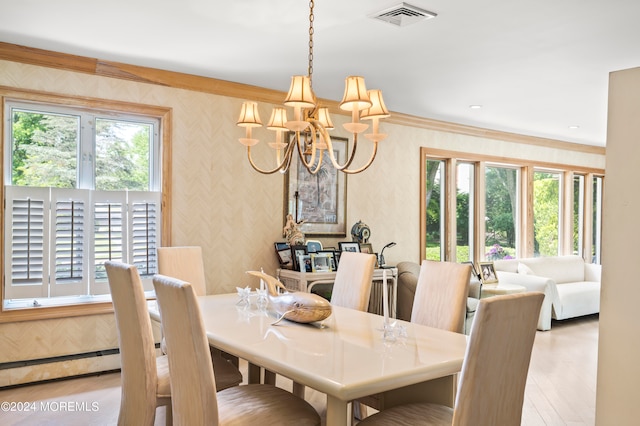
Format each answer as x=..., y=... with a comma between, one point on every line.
x=524, y=269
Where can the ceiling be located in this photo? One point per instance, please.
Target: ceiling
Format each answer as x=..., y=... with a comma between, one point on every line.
x=537, y=67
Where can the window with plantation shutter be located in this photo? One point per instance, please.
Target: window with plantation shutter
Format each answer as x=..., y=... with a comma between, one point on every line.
x=26, y=242
x=82, y=187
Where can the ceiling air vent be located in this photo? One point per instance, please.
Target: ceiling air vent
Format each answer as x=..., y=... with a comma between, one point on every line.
x=403, y=14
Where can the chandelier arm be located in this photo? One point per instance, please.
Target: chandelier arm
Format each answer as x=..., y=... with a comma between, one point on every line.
x=308, y=165
x=282, y=167
x=366, y=166
x=327, y=139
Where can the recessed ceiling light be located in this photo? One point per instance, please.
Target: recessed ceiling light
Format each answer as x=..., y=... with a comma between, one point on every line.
x=475, y=106
x=574, y=127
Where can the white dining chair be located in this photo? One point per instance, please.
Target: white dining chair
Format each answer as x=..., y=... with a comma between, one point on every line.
x=441, y=295
x=145, y=377
x=194, y=398
x=186, y=263
x=494, y=371
x=440, y=302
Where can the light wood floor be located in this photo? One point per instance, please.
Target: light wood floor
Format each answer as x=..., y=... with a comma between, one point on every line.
x=561, y=388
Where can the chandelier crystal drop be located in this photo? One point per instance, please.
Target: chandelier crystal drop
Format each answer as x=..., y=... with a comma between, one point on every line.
x=311, y=123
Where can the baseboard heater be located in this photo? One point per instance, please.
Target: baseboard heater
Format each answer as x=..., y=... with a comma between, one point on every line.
x=62, y=358
x=24, y=372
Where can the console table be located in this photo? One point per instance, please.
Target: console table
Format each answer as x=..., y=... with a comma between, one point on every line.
x=300, y=281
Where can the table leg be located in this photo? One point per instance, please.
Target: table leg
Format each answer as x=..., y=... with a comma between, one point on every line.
x=337, y=412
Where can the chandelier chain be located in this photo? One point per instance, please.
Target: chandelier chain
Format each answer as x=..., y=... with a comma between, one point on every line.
x=311, y=17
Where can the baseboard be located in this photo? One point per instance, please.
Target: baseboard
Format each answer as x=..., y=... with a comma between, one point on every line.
x=24, y=372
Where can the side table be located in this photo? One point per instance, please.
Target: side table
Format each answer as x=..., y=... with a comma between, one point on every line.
x=488, y=290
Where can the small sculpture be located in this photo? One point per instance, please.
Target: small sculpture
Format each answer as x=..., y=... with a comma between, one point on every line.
x=360, y=232
x=292, y=232
x=298, y=306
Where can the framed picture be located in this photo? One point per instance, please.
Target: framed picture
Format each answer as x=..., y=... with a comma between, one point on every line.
x=349, y=246
x=304, y=261
x=331, y=254
x=488, y=273
x=474, y=270
x=283, y=251
x=320, y=262
x=313, y=246
x=296, y=252
x=318, y=200
x=366, y=248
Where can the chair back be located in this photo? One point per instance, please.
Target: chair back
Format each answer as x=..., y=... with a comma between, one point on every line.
x=184, y=263
x=137, y=348
x=193, y=386
x=352, y=285
x=496, y=363
x=441, y=295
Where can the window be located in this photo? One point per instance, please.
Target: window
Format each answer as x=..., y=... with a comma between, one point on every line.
x=501, y=212
x=547, y=211
x=435, y=211
x=82, y=186
x=496, y=208
x=596, y=244
x=465, y=211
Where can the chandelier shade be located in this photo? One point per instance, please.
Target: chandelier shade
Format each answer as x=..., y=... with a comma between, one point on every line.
x=311, y=123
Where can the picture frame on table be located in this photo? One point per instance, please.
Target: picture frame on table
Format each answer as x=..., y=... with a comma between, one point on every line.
x=304, y=263
x=320, y=262
x=353, y=246
x=283, y=251
x=474, y=270
x=313, y=246
x=488, y=273
x=318, y=201
x=366, y=248
x=296, y=252
x=331, y=254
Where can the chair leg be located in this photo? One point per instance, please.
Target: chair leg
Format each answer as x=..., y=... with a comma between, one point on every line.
x=269, y=377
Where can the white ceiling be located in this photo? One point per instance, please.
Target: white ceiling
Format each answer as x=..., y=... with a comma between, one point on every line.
x=537, y=67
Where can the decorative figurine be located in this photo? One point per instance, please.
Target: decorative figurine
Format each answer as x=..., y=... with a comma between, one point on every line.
x=298, y=307
x=292, y=232
x=360, y=232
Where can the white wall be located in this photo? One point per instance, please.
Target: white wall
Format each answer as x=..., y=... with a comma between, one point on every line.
x=619, y=344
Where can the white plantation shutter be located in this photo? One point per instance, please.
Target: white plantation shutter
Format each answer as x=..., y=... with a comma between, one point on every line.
x=109, y=235
x=26, y=242
x=70, y=231
x=144, y=233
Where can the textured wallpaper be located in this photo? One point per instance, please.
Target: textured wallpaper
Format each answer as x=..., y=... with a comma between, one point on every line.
x=234, y=213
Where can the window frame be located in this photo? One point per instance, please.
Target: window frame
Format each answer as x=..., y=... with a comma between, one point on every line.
x=163, y=114
x=524, y=239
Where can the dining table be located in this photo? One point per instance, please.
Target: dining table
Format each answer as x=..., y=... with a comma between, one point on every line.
x=346, y=356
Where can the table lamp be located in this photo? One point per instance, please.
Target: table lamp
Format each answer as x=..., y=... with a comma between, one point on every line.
x=381, y=257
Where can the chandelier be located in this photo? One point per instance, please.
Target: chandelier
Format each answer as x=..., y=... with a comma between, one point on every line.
x=311, y=123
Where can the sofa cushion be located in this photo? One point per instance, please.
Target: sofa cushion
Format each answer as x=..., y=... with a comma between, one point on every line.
x=577, y=299
x=524, y=269
x=561, y=269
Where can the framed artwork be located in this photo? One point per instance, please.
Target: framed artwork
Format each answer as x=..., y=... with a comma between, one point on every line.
x=283, y=251
x=488, y=273
x=320, y=262
x=331, y=254
x=318, y=200
x=349, y=246
x=366, y=248
x=296, y=252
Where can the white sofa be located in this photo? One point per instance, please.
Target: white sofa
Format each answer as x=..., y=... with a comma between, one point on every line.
x=571, y=286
